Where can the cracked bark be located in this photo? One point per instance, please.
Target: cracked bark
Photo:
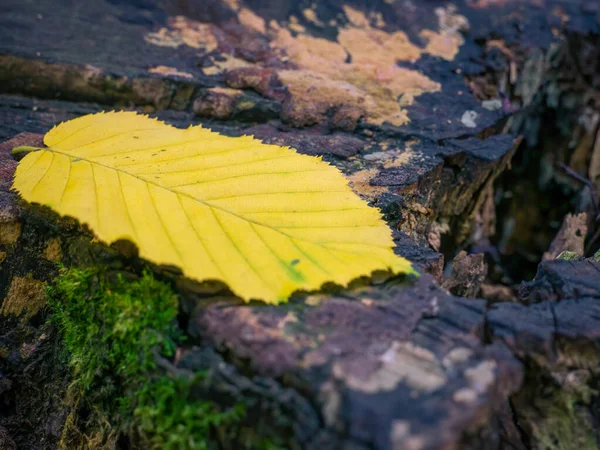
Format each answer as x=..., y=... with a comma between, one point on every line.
x=391, y=366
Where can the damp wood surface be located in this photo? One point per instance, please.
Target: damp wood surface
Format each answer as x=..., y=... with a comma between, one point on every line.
x=422, y=106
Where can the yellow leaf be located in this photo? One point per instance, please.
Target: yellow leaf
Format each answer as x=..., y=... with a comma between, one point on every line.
x=262, y=218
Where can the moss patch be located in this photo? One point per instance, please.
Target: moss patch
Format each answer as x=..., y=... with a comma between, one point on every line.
x=115, y=330
x=569, y=256
x=567, y=426
x=556, y=416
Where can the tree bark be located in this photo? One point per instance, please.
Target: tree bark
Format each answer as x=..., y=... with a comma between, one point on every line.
x=422, y=105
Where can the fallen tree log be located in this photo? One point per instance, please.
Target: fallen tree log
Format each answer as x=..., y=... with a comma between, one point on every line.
x=422, y=108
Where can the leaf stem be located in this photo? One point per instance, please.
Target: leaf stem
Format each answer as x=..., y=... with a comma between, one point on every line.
x=24, y=149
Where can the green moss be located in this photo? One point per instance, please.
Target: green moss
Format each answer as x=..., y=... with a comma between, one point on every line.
x=569, y=256
x=166, y=418
x=114, y=330
x=567, y=425
x=557, y=415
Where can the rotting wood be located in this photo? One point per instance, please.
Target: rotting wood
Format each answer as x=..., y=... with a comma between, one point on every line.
x=410, y=102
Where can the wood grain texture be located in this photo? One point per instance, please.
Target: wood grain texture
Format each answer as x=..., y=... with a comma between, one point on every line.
x=386, y=367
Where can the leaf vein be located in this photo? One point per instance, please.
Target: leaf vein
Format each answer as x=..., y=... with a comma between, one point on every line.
x=310, y=258
x=44, y=175
x=160, y=147
x=200, y=238
x=62, y=195
x=256, y=272
x=281, y=261
x=122, y=191
x=206, y=202
x=302, y=227
x=249, y=175
x=273, y=193
x=208, y=169
x=162, y=223
x=107, y=138
x=303, y=212
x=97, y=197
x=71, y=135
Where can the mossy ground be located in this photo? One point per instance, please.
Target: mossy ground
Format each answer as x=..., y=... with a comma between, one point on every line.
x=115, y=330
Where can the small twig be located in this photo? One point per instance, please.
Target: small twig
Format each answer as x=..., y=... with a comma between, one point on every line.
x=594, y=238
x=166, y=365
x=593, y=192
x=591, y=186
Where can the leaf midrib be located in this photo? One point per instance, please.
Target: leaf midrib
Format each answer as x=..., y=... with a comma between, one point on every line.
x=212, y=206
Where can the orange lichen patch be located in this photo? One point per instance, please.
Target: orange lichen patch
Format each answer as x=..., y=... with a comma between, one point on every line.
x=313, y=95
x=447, y=41
x=233, y=4
x=300, y=82
x=247, y=17
x=169, y=71
x=360, y=182
x=311, y=53
x=311, y=16
x=184, y=31
x=226, y=91
x=257, y=78
x=377, y=47
x=385, y=92
x=399, y=159
x=444, y=45
x=217, y=102
x=379, y=83
x=250, y=20
x=229, y=63
x=395, y=157
x=273, y=25
x=358, y=74
x=381, y=86
x=449, y=21
x=356, y=18
x=295, y=25
x=394, y=85
x=164, y=38
x=377, y=19
x=390, y=156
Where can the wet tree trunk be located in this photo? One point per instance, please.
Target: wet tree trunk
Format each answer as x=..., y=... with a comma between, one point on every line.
x=423, y=105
